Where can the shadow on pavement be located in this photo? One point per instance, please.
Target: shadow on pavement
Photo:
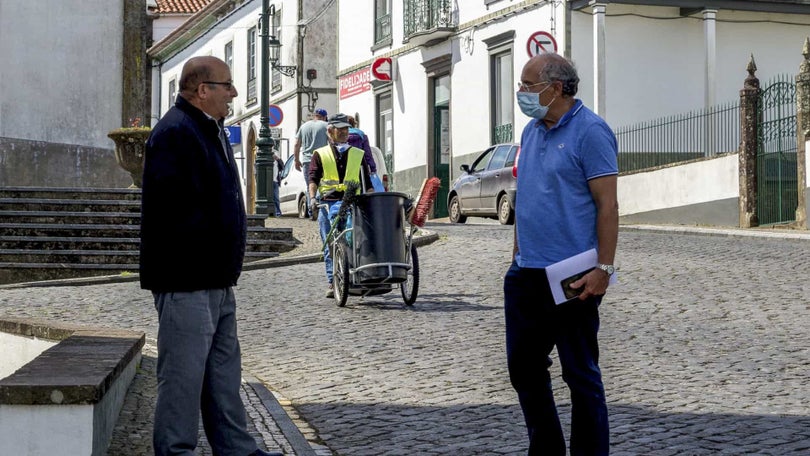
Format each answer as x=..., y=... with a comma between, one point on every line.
x=484, y=429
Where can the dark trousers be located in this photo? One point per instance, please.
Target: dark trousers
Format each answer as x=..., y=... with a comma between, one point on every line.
x=199, y=370
x=534, y=326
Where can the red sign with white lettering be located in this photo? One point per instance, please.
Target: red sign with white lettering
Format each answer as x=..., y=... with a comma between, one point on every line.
x=355, y=83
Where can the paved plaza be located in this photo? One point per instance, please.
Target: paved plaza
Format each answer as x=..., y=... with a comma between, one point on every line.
x=705, y=348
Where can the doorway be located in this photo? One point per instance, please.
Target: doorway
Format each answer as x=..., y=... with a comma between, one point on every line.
x=441, y=142
x=250, y=175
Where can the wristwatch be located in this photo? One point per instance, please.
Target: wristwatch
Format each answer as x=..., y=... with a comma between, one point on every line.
x=608, y=268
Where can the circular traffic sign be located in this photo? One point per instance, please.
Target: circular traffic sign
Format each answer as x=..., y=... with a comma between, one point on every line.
x=275, y=116
x=541, y=42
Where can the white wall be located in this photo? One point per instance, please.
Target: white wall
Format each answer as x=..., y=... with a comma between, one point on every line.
x=16, y=351
x=690, y=184
x=656, y=67
x=166, y=24
x=61, y=77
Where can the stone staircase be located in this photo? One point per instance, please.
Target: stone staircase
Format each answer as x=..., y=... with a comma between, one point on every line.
x=57, y=233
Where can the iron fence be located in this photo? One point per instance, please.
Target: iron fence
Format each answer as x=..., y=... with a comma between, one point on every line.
x=681, y=137
x=777, y=173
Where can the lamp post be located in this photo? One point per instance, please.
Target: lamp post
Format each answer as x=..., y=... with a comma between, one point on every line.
x=264, y=154
x=270, y=46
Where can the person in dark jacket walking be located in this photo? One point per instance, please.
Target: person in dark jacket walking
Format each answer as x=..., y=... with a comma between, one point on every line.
x=193, y=233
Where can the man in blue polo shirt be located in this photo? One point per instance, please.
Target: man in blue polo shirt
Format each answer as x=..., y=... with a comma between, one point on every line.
x=565, y=205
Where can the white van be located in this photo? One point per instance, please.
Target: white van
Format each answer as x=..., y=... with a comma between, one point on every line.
x=292, y=193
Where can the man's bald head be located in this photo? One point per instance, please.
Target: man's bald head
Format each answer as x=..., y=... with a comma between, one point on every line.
x=196, y=71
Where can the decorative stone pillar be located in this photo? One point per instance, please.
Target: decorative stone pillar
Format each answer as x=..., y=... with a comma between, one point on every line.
x=802, y=132
x=749, y=142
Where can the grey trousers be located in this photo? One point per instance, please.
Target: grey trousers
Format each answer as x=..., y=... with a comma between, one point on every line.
x=199, y=370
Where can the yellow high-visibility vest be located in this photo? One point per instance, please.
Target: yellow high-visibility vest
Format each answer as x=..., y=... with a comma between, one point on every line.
x=330, y=182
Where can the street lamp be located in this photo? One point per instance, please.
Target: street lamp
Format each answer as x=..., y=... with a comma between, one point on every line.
x=264, y=155
x=275, y=48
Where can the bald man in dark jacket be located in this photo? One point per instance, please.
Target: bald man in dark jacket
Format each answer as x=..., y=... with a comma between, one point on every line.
x=193, y=232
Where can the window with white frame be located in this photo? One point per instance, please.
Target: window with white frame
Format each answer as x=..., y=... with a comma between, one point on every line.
x=229, y=54
x=172, y=92
x=382, y=21
x=502, y=86
x=251, y=66
x=275, y=30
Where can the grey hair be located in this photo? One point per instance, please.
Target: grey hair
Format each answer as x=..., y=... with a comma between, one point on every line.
x=558, y=68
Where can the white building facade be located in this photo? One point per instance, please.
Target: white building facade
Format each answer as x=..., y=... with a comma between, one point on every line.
x=71, y=72
x=230, y=30
x=454, y=66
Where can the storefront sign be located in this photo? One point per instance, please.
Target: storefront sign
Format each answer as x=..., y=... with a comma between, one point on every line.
x=355, y=83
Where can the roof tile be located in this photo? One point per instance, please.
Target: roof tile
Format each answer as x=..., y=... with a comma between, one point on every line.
x=180, y=6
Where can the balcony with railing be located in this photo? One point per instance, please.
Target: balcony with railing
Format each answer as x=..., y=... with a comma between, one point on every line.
x=427, y=20
x=502, y=133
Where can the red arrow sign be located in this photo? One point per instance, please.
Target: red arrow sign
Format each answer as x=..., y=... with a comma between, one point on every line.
x=382, y=68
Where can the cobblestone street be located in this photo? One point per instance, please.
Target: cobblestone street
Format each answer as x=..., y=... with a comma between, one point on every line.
x=704, y=347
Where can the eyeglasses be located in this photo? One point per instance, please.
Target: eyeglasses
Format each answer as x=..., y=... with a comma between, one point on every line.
x=525, y=87
x=228, y=85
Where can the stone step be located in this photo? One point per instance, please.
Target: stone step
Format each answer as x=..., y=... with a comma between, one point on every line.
x=19, y=215
x=54, y=233
x=98, y=257
x=11, y=272
x=69, y=218
x=84, y=256
x=68, y=243
x=71, y=193
x=114, y=230
x=70, y=205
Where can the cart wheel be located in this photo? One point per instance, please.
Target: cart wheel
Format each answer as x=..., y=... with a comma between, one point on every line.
x=410, y=287
x=340, y=273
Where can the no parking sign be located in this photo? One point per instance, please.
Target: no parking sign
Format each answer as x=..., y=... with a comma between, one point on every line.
x=541, y=42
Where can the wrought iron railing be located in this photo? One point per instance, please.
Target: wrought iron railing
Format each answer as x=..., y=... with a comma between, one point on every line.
x=502, y=133
x=382, y=28
x=426, y=15
x=681, y=137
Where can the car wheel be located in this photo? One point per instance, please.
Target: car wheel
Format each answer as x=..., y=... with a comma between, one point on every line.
x=455, y=211
x=506, y=215
x=302, y=206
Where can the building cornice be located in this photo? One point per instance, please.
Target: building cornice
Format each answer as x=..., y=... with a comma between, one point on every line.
x=761, y=6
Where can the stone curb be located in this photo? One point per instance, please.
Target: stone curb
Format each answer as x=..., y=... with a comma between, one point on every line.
x=765, y=233
x=293, y=436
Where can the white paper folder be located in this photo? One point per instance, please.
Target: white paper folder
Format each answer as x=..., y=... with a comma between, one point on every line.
x=569, y=267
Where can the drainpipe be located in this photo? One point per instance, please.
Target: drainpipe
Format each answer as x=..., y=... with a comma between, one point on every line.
x=299, y=61
x=599, y=60
x=156, y=98
x=710, y=35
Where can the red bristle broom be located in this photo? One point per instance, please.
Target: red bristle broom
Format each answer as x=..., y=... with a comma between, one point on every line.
x=418, y=214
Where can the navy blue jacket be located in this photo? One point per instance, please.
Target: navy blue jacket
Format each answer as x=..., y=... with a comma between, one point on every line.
x=193, y=223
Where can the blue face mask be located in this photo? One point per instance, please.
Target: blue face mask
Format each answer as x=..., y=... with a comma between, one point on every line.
x=341, y=147
x=529, y=103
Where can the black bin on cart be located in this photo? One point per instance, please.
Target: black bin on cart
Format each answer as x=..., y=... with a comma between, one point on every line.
x=379, y=238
